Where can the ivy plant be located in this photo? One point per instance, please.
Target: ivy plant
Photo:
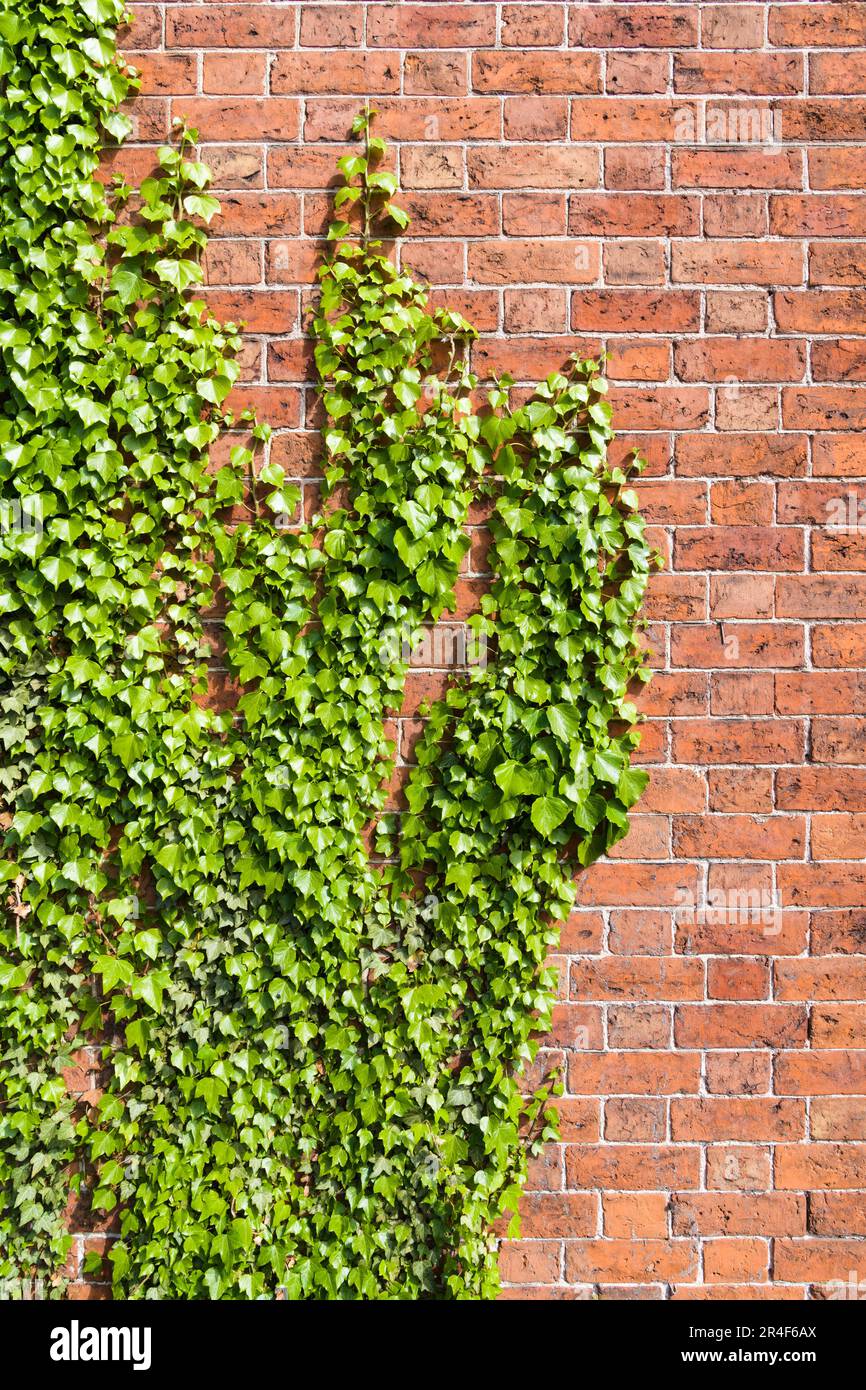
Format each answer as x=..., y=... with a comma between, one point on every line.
x=310, y=1045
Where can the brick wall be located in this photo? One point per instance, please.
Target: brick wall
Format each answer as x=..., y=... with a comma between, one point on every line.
x=677, y=184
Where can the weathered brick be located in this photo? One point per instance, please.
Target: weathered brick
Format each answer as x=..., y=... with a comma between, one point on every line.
x=756, y=1118
x=622, y=26
x=499, y=71
x=230, y=26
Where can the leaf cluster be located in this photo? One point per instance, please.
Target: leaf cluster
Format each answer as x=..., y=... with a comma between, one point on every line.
x=311, y=1057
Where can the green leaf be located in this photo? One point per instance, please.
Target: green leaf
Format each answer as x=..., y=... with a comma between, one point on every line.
x=548, y=812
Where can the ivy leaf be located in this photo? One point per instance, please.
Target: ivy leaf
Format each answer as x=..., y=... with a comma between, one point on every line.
x=548, y=812
x=128, y=285
x=631, y=785
x=150, y=988
x=201, y=205
x=565, y=722
x=113, y=971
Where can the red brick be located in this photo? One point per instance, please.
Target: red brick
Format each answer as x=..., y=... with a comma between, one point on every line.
x=536, y=72
x=816, y=596
x=742, y=503
x=731, y=931
x=735, y=215
x=819, y=788
x=535, y=118
x=836, y=167
x=817, y=1261
x=524, y=358
x=739, y=837
x=261, y=311
x=731, y=311
x=660, y=311
x=631, y=1118
x=738, y=1025
x=839, y=456
x=533, y=214
x=828, y=118
x=739, y=547
x=578, y=1119
x=699, y=455
x=621, y=119
x=830, y=884
x=740, y=359
x=630, y=1260
x=639, y=1026
x=515, y=262
x=756, y=1118
x=744, y=1073
x=835, y=1117
x=630, y=166
x=793, y=215
x=640, y=73
x=259, y=214
x=740, y=789
x=736, y=263
x=634, y=262
x=732, y=26
x=529, y=1262
x=842, y=360
x=407, y=118
x=431, y=26
x=144, y=29
x=632, y=214
x=738, y=1168
x=837, y=1025
x=636, y=978
x=741, y=692
x=242, y=118
x=533, y=166
x=808, y=1166
x=328, y=72
x=165, y=74
x=839, y=740
x=635, y=1215
x=738, y=979
x=731, y=74
x=432, y=166
x=633, y=1073
x=230, y=26
x=566, y=1214
x=738, y=169
x=525, y=26
x=640, y=932
x=233, y=263
x=832, y=264
x=839, y=644
x=623, y=26
x=837, y=72
x=817, y=25
x=734, y=1261
x=738, y=741
x=537, y=309
x=331, y=26
x=632, y=1167
x=824, y=407
x=435, y=73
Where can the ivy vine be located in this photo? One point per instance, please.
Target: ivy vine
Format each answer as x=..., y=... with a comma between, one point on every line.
x=312, y=1055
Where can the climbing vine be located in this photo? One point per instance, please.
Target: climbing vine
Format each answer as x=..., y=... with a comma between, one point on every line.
x=311, y=1053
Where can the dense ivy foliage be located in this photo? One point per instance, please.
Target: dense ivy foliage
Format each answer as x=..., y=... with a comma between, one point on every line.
x=312, y=1056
